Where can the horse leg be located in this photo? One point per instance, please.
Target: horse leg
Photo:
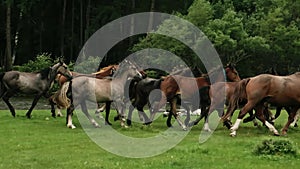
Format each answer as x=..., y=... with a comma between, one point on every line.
x=69, y=117
x=129, y=116
x=100, y=109
x=59, y=113
x=107, y=110
x=5, y=98
x=250, y=104
x=85, y=111
x=203, y=114
x=188, y=113
x=227, y=117
x=294, y=123
x=157, y=106
x=174, y=112
x=35, y=100
x=259, y=112
x=121, y=113
x=291, y=117
x=52, y=104
x=278, y=110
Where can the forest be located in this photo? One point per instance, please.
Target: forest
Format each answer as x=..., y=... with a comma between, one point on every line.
x=256, y=35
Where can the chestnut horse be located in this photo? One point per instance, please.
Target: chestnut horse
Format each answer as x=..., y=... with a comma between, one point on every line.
x=277, y=90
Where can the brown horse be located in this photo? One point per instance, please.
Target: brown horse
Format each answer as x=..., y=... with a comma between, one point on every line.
x=216, y=95
x=188, y=87
x=277, y=90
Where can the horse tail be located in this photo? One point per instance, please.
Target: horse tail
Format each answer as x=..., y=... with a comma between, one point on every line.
x=60, y=97
x=240, y=92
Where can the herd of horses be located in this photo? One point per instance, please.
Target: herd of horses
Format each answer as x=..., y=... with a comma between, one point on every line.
x=110, y=85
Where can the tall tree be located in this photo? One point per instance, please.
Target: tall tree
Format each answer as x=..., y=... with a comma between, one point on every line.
x=62, y=35
x=8, y=58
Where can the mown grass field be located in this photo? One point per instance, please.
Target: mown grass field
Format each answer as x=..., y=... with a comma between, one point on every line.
x=47, y=143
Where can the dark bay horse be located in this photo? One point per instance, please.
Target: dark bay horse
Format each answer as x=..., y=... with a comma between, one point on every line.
x=37, y=84
x=277, y=90
x=85, y=88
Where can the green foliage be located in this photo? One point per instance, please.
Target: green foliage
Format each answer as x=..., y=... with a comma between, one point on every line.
x=42, y=61
x=276, y=147
x=89, y=65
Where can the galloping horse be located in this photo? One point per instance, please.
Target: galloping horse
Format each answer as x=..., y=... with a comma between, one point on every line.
x=216, y=95
x=278, y=90
x=96, y=90
x=30, y=83
x=188, y=88
x=104, y=72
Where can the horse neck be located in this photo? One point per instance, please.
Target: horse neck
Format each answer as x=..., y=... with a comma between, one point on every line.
x=122, y=79
x=202, y=81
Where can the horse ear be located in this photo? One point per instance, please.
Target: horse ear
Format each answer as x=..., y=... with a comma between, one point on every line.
x=61, y=60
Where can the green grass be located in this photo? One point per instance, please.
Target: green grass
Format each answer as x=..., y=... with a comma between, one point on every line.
x=41, y=143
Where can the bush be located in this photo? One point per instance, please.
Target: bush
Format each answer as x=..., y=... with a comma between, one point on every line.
x=276, y=147
x=42, y=61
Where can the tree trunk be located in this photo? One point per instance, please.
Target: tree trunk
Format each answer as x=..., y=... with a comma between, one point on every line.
x=81, y=24
x=8, y=58
x=150, y=25
x=132, y=22
x=72, y=32
x=87, y=20
x=62, y=35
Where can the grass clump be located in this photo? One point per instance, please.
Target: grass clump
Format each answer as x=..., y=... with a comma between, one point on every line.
x=276, y=148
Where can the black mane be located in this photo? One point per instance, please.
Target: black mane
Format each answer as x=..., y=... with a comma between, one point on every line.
x=45, y=72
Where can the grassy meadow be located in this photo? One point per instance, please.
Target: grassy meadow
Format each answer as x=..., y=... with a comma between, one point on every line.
x=46, y=142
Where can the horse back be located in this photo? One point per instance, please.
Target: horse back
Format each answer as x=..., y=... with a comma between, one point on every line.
x=279, y=90
x=23, y=81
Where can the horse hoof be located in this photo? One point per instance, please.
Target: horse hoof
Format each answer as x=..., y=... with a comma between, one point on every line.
x=71, y=126
x=148, y=123
x=277, y=134
x=233, y=134
x=284, y=133
x=125, y=126
x=108, y=123
x=97, y=125
x=99, y=116
x=207, y=130
x=128, y=122
x=116, y=118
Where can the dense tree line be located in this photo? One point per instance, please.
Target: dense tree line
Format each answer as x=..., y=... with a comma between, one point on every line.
x=256, y=34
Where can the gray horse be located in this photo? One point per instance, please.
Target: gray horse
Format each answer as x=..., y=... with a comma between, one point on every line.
x=38, y=84
x=104, y=90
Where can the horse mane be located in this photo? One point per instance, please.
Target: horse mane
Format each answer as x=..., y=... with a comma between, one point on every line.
x=44, y=73
x=239, y=92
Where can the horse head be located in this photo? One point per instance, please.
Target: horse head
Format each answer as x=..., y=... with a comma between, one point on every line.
x=231, y=73
x=130, y=68
x=61, y=68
